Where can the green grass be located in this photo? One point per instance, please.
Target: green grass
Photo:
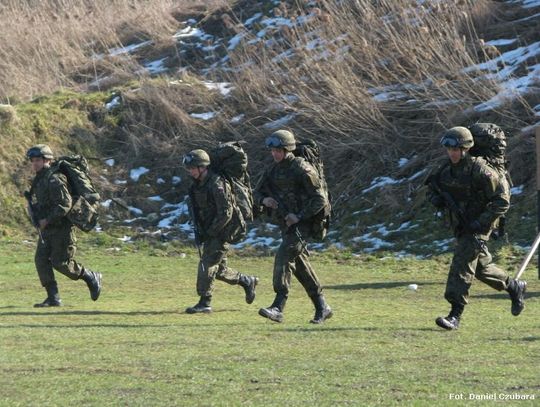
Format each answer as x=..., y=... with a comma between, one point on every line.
x=135, y=346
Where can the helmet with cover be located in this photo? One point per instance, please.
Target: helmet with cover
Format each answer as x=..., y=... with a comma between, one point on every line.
x=457, y=137
x=40, y=150
x=196, y=158
x=281, y=139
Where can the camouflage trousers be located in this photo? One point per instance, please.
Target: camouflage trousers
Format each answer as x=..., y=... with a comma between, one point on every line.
x=56, y=252
x=213, y=265
x=292, y=258
x=470, y=261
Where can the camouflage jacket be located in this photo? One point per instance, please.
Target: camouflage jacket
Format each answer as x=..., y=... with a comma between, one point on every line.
x=294, y=183
x=212, y=205
x=479, y=191
x=50, y=196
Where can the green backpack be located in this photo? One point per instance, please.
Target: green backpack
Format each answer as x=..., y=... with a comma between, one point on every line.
x=230, y=161
x=310, y=151
x=86, y=200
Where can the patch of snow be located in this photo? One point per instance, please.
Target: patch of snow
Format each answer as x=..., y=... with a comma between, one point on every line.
x=234, y=41
x=282, y=121
x=536, y=110
x=517, y=190
x=252, y=19
x=110, y=162
x=378, y=182
x=237, y=119
x=176, y=180
x=128, y=48
x=402, y=162
x=106, y=203
x=135, y=211
x=190, y=32
x=136, y=173
x=120, y=182
x=156, y=67
x=155, y=198
x=224, y=87
x=203, y=116
x=160, y=181
x=124, y=239
x=501, y=42
x=112, y=104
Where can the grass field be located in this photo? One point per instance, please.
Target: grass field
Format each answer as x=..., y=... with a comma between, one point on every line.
x=136, y=346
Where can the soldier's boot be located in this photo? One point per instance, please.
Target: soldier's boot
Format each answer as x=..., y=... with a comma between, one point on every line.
x=249, y=283
x=322, y=310
x=451, y=322
x=53, y=298
x=93, y=281
x=516, y=289
x=275, y=311
x=202, y=307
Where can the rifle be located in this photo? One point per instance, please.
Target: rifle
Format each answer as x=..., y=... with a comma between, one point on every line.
x=282, y=205
x=31, y=214
x=457, y=212
x=195, y=223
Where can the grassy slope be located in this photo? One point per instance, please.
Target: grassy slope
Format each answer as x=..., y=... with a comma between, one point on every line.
x=135, y=346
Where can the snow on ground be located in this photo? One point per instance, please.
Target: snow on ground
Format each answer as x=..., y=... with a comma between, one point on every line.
x=517, y=190
x=136, y=173
x=110, y=162
x=112, y=104
x=128, y=49
x=203, y=116
x=224, y=88
x=278, y=123
x=157, y=66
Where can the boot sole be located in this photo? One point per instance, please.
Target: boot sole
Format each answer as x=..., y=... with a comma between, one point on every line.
x=264, y=314
x=206, y=311
x=442, y=323
x=320, y=321
x=47, y=305
x=518, y=311
x=250, y=300
x=97, y=294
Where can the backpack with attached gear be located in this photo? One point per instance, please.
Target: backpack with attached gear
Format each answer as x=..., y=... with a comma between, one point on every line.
x=310, y=151
x=86, y=199
x=490, y=144
x=230, y=161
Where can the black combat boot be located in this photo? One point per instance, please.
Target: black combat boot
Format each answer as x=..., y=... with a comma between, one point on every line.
x=53, y=298
x=275, y=311
x=203, y=306
x=93, y=281
x=322, y=310
x=451, y=322
x=516, y=289
x=249, y=283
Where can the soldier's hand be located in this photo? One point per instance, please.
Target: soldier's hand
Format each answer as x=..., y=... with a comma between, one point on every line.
x=43, y=224
x=291, y=219
x=270, y=202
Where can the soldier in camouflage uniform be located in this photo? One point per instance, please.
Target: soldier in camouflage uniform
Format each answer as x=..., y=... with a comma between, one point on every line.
x=51, y=201
x=481, y=196
x=211, y=206
x=290, y=190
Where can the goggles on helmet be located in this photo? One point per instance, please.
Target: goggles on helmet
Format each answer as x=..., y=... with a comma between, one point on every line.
x=34, y=153
x=188, y=159
x=450, y=142
x=273, y=142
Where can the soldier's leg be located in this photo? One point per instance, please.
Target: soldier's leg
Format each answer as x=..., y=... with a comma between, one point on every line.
x=206, y=273
x=305, y=273
x=63, y=248
x=284, y=264
x=233, y=277
x=46, y=274
x=498, y=279
x=460, y=278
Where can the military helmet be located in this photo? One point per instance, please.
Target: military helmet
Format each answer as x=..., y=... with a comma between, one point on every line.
x=196, y=158
x=281, y=139
x=457, y=137
x=40, y=150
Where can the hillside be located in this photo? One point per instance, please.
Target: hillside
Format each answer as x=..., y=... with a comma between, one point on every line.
x=374, y=82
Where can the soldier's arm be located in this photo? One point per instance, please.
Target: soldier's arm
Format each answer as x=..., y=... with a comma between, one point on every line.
x=60, y=199
x=497, y=194
x=313, y=189
x=221, y=194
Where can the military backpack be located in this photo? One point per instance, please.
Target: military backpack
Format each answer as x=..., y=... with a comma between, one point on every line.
x=310, y=151
x=230, y=161
x=86, y=200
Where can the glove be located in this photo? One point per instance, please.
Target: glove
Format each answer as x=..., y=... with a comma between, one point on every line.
x=475, y=226
x=438, y=201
